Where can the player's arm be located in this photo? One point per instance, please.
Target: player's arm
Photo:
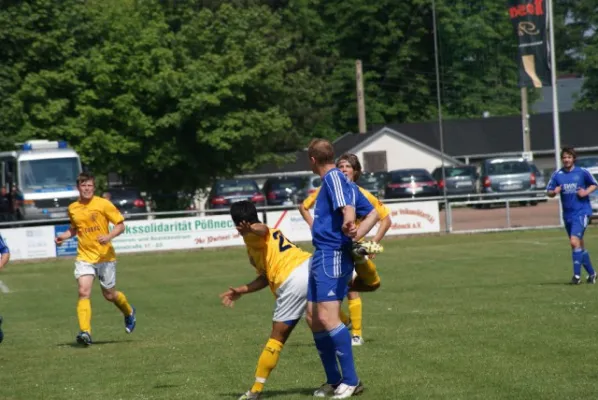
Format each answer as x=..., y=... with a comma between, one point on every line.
x=367, y=224
x=553, y=188
x=233, y=294
x=4, y=253
x=256, y=228
x=384, y=226
x=69, y=233
x=343, y=198
x=114, y=216
x=306, y=205
x=591, y=183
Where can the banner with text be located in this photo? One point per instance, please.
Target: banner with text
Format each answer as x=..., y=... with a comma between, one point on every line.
x=407, y=219
x=30, y=243
x=177, y=233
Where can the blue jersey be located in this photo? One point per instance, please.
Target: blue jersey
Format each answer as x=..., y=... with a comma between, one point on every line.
x=337, y=192
x=362, y=205
x=3, y=246
x=570, y=182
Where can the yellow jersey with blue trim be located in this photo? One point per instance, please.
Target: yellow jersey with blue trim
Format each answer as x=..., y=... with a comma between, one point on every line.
x=274, y=256
x=380, y=208
x=91, y=220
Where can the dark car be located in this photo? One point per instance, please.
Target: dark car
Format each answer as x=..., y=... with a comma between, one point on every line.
x=405, y=183
x=228, y=191
x=457, y=180
x=283, y=190
x=129, y=202
x=373, y=182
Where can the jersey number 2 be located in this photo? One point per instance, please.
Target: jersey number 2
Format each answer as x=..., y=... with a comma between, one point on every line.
x=281, y=239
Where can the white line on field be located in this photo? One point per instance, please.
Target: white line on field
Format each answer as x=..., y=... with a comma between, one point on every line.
x=4, y=288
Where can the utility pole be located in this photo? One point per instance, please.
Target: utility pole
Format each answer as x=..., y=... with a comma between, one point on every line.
x=527, y=146
x=360, y=97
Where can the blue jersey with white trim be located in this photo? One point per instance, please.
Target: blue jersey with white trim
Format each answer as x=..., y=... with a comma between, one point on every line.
x=570, y=182
x=336, y=192
x=3, y=246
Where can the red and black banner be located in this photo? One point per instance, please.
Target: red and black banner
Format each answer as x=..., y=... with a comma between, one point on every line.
x=529, y=20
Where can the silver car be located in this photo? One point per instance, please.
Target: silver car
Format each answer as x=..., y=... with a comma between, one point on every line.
x=507, y=177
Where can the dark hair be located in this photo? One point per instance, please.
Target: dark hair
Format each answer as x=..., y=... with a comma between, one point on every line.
x=569, y=150
x=85, y=176
x=243, y=211
x=321, y=150
x=353, y=160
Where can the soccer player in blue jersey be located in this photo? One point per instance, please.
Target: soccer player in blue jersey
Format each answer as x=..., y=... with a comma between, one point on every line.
x=575, y=184
x=331, y=270
x=4, y=257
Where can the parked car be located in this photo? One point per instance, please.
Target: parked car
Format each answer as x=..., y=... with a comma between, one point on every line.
x=587, y=162
x=505, y=176
x=404, y=183
x=283, y=190
x=311, y=185
x=457, y=180
x=129, y=202
x=373, y=182
x=227, y=191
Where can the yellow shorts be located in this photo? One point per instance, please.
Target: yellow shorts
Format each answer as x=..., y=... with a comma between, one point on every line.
x=366, y=271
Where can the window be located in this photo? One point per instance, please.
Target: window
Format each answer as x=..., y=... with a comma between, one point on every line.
x=374, y=161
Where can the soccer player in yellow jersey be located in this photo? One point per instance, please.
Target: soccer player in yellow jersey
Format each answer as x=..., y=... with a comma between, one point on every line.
x=90, y=217
x=282, y=266
x=367, y=276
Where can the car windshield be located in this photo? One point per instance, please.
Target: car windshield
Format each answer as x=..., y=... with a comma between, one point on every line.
x=587, y=162
x=228, y=187
x=124, y=195
x=49, y=173
x=508, y=167
x=369, y=182
x=410, y=177
x=461, y=171
x=283, y=184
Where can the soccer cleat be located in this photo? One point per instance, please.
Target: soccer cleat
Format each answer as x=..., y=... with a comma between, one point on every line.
x=367, y=247
x=84, y=338
x=344, y=391
x=591, y=279
x=130, y=322
x=576, y=280
x=325, y=390
x=1, y=333
x=251, y=395
x=357, y=340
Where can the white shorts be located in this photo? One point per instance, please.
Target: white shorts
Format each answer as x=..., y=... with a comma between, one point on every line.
x=105, y=271
x=291, y=296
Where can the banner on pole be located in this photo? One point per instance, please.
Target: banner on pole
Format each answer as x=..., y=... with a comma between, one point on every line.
x=529, y=20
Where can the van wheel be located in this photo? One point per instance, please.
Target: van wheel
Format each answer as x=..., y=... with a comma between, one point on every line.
x=533, y=203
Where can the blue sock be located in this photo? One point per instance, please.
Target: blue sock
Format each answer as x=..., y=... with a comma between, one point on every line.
x=344, y=352
x=587, y=263
x=577, y=257
x=325, y=347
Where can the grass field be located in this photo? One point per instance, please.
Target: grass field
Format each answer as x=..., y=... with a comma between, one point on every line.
x=458, y=317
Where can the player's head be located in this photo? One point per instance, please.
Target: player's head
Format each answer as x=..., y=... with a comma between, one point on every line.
x=350, y=166
x=320, y=153
x=86, y=184
x=568, y=156
x=243, y=211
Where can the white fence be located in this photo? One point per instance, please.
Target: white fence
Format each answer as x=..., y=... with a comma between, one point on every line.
x=187, y=231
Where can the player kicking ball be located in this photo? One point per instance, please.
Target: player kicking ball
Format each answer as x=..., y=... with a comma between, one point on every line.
x=574, y=185
x=283, y=267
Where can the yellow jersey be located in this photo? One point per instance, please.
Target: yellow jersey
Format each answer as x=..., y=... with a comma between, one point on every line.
x=91, y=220
x=380, y=208
x=274, y=256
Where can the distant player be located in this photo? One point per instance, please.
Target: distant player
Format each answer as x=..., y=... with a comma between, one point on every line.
x=367, y=276
x=575, y=184
x=90, y=217
x=4, y=258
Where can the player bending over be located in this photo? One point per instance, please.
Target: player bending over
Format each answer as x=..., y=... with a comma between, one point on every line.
x=574, y=184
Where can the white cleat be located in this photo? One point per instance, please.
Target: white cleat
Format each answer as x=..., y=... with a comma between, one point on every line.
x=357, y=341
x=251, y=396
x=325, y=390
x=344, y=391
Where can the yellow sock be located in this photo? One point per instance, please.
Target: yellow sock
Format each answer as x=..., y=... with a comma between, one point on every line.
x=356, y=312
x=84, y=315
x=344, y=318
x=122, y=304
x=266, y=363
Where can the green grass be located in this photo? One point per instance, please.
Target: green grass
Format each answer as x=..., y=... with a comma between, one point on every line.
x=457, y=317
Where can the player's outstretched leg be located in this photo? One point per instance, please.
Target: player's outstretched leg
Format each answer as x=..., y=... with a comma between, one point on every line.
x=120, y=301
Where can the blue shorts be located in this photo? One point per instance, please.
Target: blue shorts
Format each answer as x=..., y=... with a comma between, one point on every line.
x=576, y=226
x=330, y=273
